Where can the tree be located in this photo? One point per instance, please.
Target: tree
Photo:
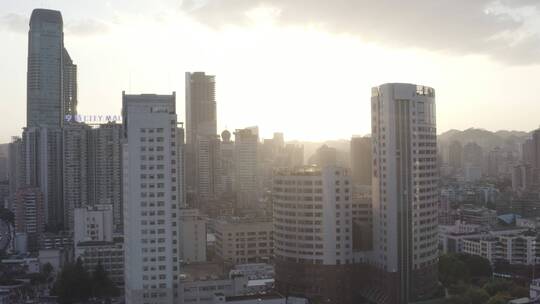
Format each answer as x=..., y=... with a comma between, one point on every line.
x=73, y=284
x=452, y=270
x=102, y=286
x=7, y=216
x=519, y=291
x=457, y=299
x=497, y=286
x=477, y=295
x=477, y=265
x=500, y=298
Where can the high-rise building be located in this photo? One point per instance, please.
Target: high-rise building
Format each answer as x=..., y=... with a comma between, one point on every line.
x=201, y=122
x=527, y=151
x=404, y=190
x=69, y=86
x=472, y=154
x=324, y=156
x=29, y=213
x=455, y=155
x=45, y=82
x=15, y=167
x=207, y=163
x=226, y=160
x=42, y=167
x=152, y=198
x=105, y=169
x=51, y=94
x=361, y=160
x=75, y=139
x=193, y=232
x=201, y=116
x=245, y=159
x=313, y=233
x=521, y=177
x=292, y=155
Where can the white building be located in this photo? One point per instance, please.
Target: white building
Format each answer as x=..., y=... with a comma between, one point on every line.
x=405, y=191
x=152, y=198
x=313, y=206
x=243, y=240
x=193, y=232
x=313, y=231
x=93, y=223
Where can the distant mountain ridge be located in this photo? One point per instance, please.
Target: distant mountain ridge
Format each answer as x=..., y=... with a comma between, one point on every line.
x=486, y=139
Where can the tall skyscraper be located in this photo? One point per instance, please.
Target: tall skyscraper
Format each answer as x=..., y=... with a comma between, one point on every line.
x=201, y=114
x=405, y=191
x=75, y=139
x=69, y=85
x=361, y=160
x=207, y=164
x=201, y=130
x=245, y=159
x=105, y=169
x=42, y=167
x=313, y=233
x=455, y=155
x=49, y=80
x=51, y=94
x=226, y=160
x=15, y=168
x=152, y=198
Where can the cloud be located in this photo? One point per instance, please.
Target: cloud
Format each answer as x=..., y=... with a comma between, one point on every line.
x=15, y=23
x=86, y=27
x=485, y=27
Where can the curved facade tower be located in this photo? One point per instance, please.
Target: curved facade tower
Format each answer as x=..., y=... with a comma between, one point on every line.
x=405, y=190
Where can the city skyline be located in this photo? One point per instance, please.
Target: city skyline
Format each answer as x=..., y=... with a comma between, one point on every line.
x=269, y=50
x=154, y=203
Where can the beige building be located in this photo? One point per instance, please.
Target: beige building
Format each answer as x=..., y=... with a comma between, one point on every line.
x=243, y=240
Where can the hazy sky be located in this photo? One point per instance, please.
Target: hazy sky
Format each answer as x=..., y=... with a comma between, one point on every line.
x=302, y=67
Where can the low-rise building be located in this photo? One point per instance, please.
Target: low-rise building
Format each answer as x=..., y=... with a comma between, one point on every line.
x=478, y=215
x=266, y=298
x=193, y=230
x=109, y=254
x=199, y=282
x=244, y=240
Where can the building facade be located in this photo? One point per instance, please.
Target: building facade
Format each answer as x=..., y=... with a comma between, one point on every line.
x=243, y=240
x=246, y=143
x=313, y=233
x=151, y=165
x=361, y=160
x=405, y=190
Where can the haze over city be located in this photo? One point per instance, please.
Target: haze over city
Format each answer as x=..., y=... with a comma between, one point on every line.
x=278, y=63
x=270, y=152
